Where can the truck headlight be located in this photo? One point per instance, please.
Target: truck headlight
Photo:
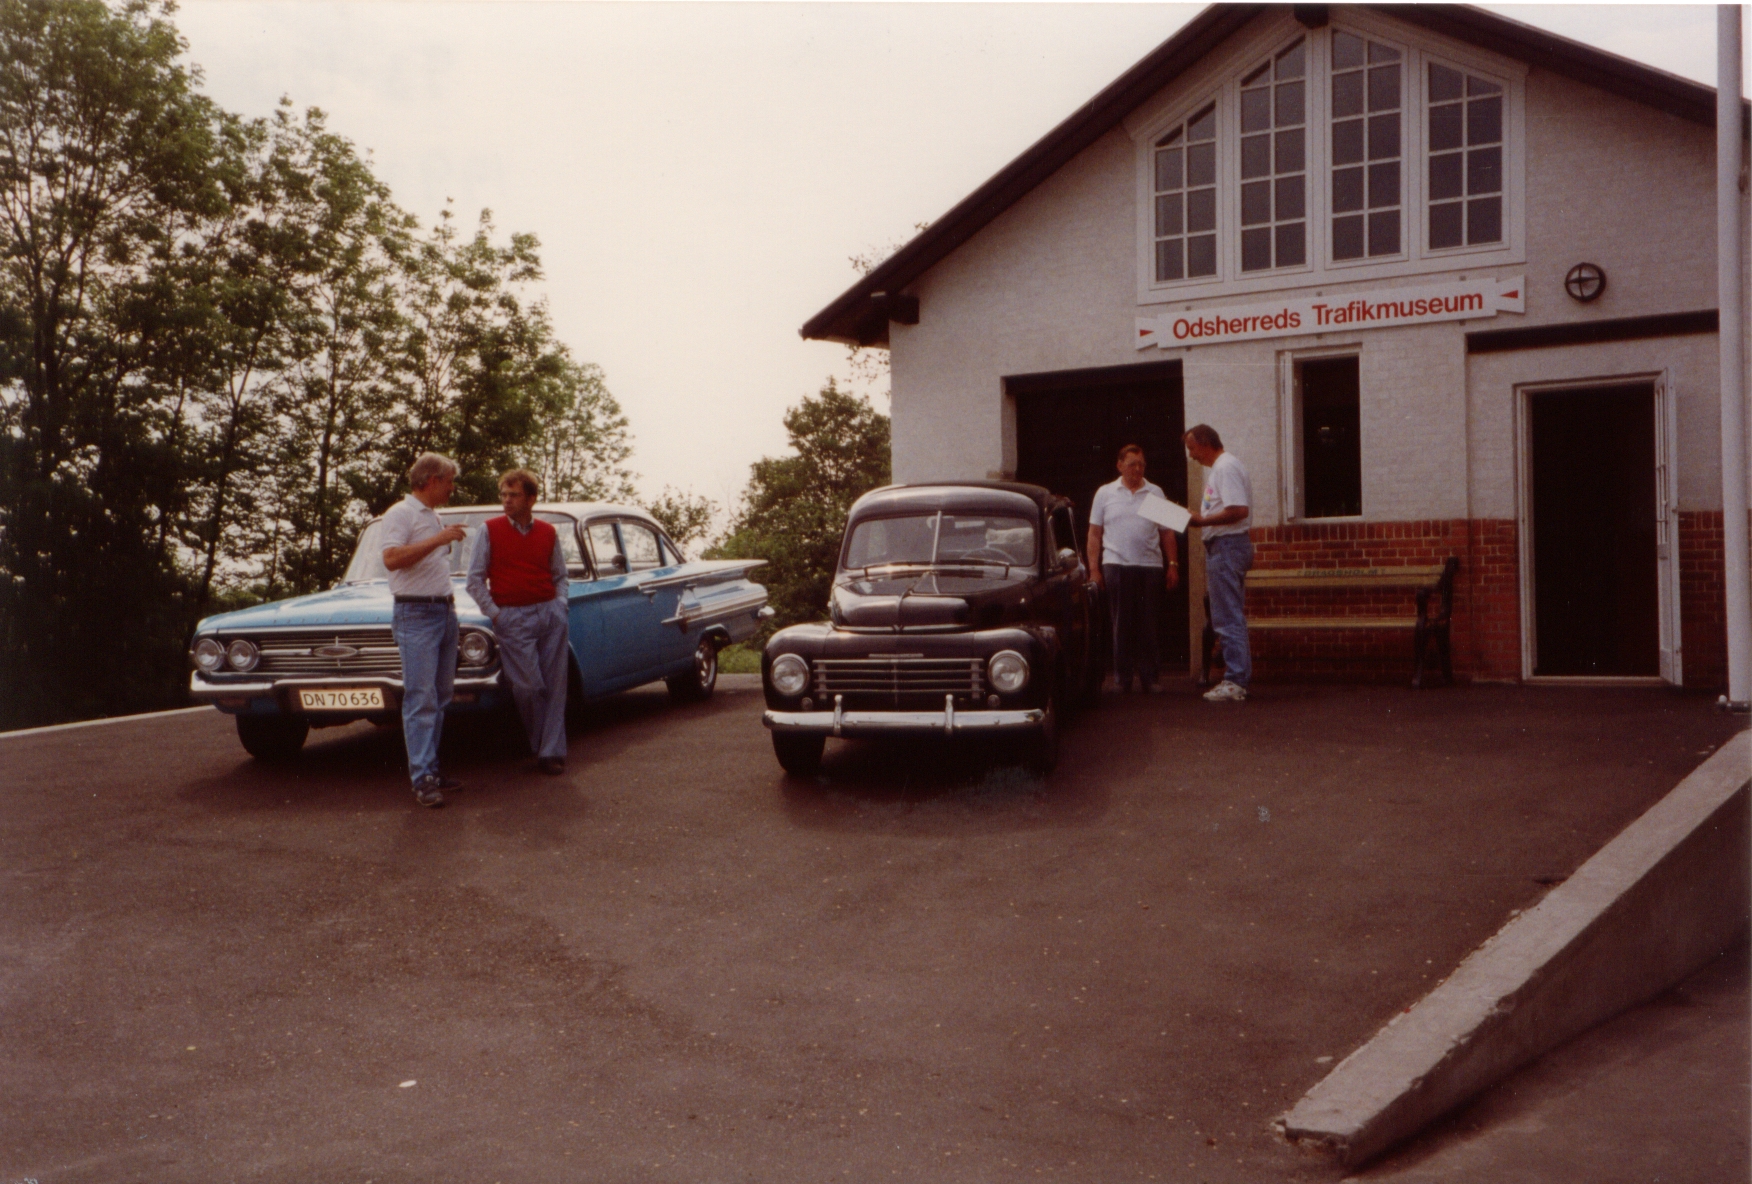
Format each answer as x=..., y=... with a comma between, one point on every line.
x=790, y=675
x=1008, y=671
x=241, y=655
x=209, y=654
x=475, y=649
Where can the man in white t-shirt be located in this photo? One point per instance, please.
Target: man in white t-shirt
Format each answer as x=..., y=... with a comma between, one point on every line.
x=416, y=550
x=1136, y=562
x=1224, y=515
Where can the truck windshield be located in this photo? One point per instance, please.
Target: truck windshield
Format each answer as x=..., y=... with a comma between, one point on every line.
x=942, y=539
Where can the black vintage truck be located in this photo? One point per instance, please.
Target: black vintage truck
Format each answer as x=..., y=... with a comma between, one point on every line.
x=957, y=609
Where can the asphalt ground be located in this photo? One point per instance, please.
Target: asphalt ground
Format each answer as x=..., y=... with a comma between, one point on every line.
x=671, y=963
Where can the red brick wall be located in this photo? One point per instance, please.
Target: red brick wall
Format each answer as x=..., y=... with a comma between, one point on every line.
x=1486, y=625
x=1703, y=620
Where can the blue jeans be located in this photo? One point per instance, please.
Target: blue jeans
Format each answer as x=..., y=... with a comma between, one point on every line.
x=426, y=636
x=1227, y=558
x=1134, y=607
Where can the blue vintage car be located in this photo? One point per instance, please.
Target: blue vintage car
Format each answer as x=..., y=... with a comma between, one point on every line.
x=639, y=612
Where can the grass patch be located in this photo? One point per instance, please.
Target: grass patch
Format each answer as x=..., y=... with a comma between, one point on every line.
x=738, y=659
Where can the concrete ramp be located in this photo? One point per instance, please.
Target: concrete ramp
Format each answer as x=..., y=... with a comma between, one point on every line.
x=1653, y=905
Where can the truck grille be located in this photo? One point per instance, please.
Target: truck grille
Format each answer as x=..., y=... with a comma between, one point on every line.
x=899, y=676
x=295, y=651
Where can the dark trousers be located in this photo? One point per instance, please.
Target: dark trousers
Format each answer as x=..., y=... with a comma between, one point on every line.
x=1134, y=607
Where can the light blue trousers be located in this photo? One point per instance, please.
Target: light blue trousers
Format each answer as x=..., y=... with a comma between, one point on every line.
x=532, y=652
x=1227, y=558
x=426, y=636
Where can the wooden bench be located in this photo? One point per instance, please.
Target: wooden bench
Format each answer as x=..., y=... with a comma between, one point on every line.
x=1427, y=629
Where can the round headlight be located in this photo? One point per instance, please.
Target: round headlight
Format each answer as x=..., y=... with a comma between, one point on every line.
x=240, y=655
x=209, y=654
x=476, y=649
x=790, y=674
x=1009, y=671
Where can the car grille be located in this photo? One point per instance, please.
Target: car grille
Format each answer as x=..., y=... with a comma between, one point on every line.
x=899, y=676
x=294, y=651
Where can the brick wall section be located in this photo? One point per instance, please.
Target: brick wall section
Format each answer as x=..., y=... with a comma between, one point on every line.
x=1703, y=618
x=1486, y=624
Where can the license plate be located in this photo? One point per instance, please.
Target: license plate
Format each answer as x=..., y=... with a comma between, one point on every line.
x=342, y=699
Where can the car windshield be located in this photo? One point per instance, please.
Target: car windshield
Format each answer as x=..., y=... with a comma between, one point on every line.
x=367, y=561
x=940, y=539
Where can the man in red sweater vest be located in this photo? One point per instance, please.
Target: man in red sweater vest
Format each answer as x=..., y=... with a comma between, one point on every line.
x=517, y=575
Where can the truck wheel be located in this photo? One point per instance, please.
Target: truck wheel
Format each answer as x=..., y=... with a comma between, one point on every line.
x=700, y=679
x=272, y=739
x=800, y=756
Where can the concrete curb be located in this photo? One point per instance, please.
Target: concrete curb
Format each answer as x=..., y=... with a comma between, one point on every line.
x=98, y=723
x=1653, y=905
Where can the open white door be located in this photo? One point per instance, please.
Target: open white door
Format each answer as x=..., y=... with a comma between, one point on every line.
x=1667, y=524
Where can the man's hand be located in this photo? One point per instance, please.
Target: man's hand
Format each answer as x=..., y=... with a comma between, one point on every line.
x=397, y=558
x=1095, y=533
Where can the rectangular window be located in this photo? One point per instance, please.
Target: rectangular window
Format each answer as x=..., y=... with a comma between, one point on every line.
x=1186, y=199
x=1367, y=137
x=1329, y=448
x=1274, y=164
x=1466, y=159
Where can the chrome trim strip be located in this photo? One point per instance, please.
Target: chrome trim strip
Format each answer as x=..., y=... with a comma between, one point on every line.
x=732, y=569
x=203, y=691
x=840, y=722
x=713, y=613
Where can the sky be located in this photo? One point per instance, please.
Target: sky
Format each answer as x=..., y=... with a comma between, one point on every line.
x=700, y=174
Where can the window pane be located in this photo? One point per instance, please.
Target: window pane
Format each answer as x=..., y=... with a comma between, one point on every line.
x=1258, y=75
x=1201, y=164
x=1445, y=130
x=1292, y=62
x=1170, y=138
x=1445, y=228
x=1289, y=151
x=1290, y=198
x=1255, y=203
x=1256, y=156
x=1203, y=126
x=1484, y=171
x=1382, y=53
x=1484, y=220
x=1347, y=142
x=1170, y=169
x=1256, y=110
x=1384, y=136
x=1347, y=190
x=1384, y=232
x=1201, y=255
x=1289, y=104
x=1484, y=121
x=1347, y=50
x=1255, y=250
x=641, y=544
x=1201, y=210
x=1291, y=245
x=603, y=546
x=1169, y=208
x=1383, y=88
x=1478, y=86
x=1168, y=260
x=1445, y=178
x=1347, y=237
x=1332, y=483
x=1445, y=84
x=1347, y=95
x=1384, y=184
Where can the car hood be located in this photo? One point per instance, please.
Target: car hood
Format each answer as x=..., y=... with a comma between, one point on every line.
x=350, y=604
x=927, y=600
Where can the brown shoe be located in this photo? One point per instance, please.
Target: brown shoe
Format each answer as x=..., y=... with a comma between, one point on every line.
x=553, y=766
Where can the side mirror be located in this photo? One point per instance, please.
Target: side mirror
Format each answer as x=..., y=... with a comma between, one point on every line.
x=616, y=564
x=1067, y=558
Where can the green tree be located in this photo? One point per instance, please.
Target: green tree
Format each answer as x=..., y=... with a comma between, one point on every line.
x=685, y=516
x=106, y=155
x=793, y=511
x=579, y=444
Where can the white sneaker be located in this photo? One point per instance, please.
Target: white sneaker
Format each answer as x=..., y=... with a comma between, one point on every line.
x=1226, y=692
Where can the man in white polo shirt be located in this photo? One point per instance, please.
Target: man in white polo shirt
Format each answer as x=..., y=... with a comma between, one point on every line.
x=1136, y=561
x=1225, y=514
x=416, y=550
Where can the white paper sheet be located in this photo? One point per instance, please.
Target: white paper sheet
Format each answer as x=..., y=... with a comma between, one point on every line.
x=1163, y=512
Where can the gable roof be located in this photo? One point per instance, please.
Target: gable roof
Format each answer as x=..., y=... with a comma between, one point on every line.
x=860, y=315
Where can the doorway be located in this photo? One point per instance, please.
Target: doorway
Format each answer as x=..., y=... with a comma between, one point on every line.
x=1593, y=553
x=1070, y=426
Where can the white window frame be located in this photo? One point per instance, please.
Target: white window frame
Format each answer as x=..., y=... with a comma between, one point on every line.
x=1218, y=78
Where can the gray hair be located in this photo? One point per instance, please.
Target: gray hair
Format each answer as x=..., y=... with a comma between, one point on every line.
x=429, y=466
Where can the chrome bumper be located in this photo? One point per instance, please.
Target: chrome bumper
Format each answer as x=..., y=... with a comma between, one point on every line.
x=237, y=694
x=854, y=724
